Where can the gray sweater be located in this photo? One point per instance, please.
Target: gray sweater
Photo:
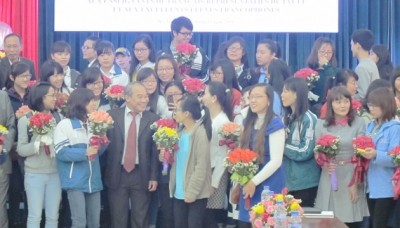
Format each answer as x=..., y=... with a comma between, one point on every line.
x=34, y=163
x=367, y=72
x=7, y=119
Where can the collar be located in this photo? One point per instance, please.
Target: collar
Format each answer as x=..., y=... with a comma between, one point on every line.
x=14, y=93
x=128, y=110
x=19, y=60
x=91, y=63
x=173, y=48
x=67, y=72
x=343, y=122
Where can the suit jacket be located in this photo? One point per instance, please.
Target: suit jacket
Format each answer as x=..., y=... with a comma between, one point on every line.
x=7, y=119
x=147, y=150
x=5, y=62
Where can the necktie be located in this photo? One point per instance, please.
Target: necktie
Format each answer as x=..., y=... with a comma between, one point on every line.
x=130, y=153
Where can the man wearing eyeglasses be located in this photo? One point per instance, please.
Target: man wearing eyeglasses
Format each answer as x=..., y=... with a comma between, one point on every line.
x=13, y=48
x=182, y=31
x=89, y=51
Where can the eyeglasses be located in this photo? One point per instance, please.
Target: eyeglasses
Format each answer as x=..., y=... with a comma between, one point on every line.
x=323, y=52
x=149, y=82
x=84, y=47
x=215, y=74
x=140, y=50
x=165, y=69
x=93, y=84
x=234, y=49
x=186, y=34
x=25, y=76
x=256, y=97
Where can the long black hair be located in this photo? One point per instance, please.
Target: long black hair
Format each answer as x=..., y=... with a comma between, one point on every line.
x=146, y=39
x=15, y=70
x=191, y=104
x=279, y=71
x=37, y=95
x=230, y=76
x=77, y=102
x=337, y=93
x=250, y=120
x=299, y=87
x=223, y=94
x=142, y=75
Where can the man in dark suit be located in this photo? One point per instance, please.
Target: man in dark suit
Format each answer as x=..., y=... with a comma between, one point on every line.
x=132, y=160
x=13, y=48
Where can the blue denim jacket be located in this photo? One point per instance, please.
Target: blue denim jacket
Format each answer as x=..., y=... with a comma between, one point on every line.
x=381, y=168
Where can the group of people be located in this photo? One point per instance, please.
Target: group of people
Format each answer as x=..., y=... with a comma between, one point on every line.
x=281, y=118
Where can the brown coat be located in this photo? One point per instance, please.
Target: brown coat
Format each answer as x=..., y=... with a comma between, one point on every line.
x=197, y=183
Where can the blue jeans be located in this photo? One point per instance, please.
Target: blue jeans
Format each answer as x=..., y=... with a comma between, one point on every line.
x=85, y=209
x=42, y=189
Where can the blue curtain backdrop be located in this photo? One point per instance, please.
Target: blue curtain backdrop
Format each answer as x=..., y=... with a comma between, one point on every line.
x=379, y=16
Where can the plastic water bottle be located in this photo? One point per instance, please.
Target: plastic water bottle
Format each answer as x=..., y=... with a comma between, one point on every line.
x=295, y=219
x=280, y=215
x=265, y=193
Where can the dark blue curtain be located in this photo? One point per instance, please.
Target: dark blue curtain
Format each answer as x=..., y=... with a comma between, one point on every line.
x=379, y=16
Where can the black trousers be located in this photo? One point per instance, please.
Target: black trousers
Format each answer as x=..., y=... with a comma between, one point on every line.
x=380, y=210
x=189, y=215
x=307, y=196
x=167, y=209
x=132, y=190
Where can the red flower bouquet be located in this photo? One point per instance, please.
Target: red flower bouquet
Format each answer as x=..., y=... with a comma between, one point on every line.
x=231, y=134
x=326, y=149
x=166, y=138
x=361, y=164
x=308, y=74
x=115, y=95
x=193, y=86
x=61, y=102
x=22, y=111
x=42, y=124
x=357, y=107
x=243, y=165
x=185, y=55
x=395, y=154
x=163, y=123
x=99, y=122
x=32, y=83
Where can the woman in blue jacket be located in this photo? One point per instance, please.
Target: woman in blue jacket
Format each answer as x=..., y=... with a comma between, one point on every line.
x=385, y=131
x=79, y=175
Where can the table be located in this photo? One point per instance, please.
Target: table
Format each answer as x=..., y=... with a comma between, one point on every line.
x=322, y=223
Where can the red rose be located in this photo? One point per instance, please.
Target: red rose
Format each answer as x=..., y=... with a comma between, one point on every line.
x=304, y=73
x=395, y=151
x=193, y=85
x=326, y=140
x=356, y=105
x=363, y=142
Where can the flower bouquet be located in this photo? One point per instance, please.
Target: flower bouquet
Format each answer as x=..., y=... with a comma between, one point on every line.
x=32, y=83
x=42, y=124
x=163, y=123
x=231, y=134
x=106, y=80
x=193, y=86
x=243, y=165
x=61, y=102
x=395, y=154
x=22, y=111
x=185, y=55
x=308, y=74
x=115, y=95
x=361, y=164
x=2, y=54
x=357, y=107
x=99, y=122
x=326, y=149
x=166, y=139
x=262, y=214
x=3, y=154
